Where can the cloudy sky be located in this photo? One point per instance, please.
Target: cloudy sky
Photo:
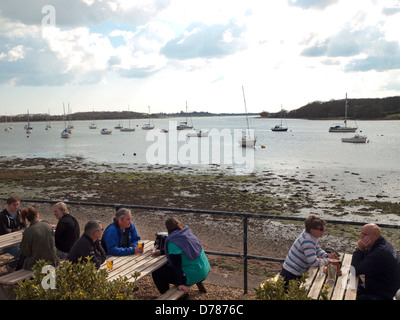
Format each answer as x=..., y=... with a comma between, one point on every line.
x=110, y=54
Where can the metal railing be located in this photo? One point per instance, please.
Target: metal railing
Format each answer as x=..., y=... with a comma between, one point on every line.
x=244, y=215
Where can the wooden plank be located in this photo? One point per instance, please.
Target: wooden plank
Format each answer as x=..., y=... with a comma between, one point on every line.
x=172, y=294
x=15, y=277
x=340, y=289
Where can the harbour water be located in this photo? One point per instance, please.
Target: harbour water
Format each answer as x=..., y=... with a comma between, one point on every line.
x=307, y=148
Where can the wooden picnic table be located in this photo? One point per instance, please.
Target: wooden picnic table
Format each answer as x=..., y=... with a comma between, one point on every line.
x=10, y=239
x=343, y=287
x=144, y=263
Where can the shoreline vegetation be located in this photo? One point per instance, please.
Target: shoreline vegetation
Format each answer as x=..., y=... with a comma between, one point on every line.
x=74, y=179
x=359, y=109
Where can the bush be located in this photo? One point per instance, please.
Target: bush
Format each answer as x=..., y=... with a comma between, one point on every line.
x=81, y=281
x=274, y=289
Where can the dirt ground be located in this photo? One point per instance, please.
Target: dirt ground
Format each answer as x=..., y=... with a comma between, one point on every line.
x=74, y=180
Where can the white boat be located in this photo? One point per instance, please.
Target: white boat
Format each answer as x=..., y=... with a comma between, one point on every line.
x=247, y=141
x=92, y=126
x=28, y=126
x=148, y=126
x=345, y=128
x=65, y=134
x=183, y=125
x=280, y=127
x=105, y=131
x=200, y=133
x=355, y=139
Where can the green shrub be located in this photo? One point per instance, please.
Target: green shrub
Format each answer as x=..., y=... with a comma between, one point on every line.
x=274, y=289
x=80, y=281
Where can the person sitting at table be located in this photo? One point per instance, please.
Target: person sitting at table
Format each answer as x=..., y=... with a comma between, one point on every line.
x=121, y=238
x=305, y=252
x=37, y=241
x=11, y=221
x=67, y=229
x=88, y=245
x=187, y=262
x=376, y=258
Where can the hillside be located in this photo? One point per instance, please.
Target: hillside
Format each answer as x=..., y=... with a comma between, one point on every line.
x=384, y=108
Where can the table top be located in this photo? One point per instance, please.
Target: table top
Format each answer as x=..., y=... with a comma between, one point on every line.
x=10, y=239
x=344, y=287
x=144, y=263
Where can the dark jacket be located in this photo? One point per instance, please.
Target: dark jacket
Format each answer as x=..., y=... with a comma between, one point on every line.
x=381, y=266
x=85, y=247
x=67, y=232
x=38, y=244
x=7, y=223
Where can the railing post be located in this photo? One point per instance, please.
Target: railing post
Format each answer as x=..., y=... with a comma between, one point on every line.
x=245, y=253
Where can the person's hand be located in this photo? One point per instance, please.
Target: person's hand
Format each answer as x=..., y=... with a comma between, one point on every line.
x=183, y=288
x=156, y=253
x=333, y=256
x=138, y=250
x=364, y=243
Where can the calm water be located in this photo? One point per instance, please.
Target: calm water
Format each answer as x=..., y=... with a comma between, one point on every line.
x=307, y=148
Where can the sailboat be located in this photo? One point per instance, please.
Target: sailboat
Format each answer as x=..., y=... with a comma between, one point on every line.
x=183, y=125
x=28, y=126
x=48, y=126
x=345, y=128
x=280, y=128
x=93, y=125
x=247, y=140
x=129, y=129
x=65, y=133
x=148, y=126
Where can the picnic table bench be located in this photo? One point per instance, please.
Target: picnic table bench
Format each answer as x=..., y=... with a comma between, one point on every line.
x=343, y=287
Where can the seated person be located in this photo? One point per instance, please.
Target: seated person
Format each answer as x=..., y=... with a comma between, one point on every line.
x=187, y=261
x=88, y=245
x=37, y=241
x=67, y=229
x=11, y=221
x=306, y=252
x=379, y=262
x=121, y=238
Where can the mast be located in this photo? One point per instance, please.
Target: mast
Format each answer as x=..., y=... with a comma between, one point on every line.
x=245, y=108
x=345, y=112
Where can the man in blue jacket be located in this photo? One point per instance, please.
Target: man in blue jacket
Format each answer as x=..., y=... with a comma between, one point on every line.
x=379, y=262
x=121, y=238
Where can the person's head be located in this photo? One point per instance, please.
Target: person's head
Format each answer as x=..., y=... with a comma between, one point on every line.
x=124, y=218
x=173, y=224
x=30, y=214
x=371, y=231
x=315, y=226
x=12, y=204
x=60, y=209
x=94, y=229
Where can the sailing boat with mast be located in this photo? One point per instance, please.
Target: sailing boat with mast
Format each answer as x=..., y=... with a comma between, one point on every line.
x=280, y=128
x=247, y=140
x=345, y=128
x=129, y=129
x=65, y=133
x=148, y=126
x=183, y=125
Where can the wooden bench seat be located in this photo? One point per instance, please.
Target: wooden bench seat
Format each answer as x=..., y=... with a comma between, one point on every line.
x=174, y=293
x=15, y=277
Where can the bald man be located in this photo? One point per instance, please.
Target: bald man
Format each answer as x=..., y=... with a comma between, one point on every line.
x=379, y=262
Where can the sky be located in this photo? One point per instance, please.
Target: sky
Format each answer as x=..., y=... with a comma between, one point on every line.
x=114, y=55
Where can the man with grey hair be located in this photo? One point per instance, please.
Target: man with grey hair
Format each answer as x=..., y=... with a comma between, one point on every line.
x=121, y=238
x=88, y=245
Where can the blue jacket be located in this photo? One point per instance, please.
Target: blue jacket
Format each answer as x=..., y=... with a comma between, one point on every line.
x=114, y=243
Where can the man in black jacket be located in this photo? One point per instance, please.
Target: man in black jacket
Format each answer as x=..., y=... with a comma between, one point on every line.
x=379, y=262
x=88, y=245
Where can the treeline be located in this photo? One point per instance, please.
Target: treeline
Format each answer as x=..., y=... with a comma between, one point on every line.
x=383, y=108
x=108, y=115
